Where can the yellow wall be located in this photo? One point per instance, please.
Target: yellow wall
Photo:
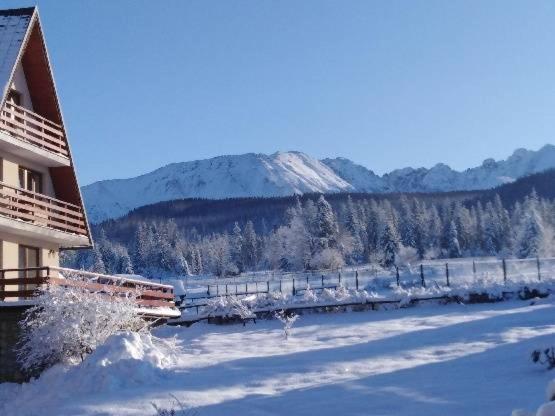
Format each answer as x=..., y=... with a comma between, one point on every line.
x=49, y=253
x=10, y=172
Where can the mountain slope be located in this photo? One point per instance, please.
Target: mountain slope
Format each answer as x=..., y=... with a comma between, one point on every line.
x=288, y=173
x=249, y=175
x=441, y=177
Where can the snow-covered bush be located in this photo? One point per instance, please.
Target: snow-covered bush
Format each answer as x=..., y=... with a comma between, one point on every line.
x=177, y=408
x=328, y=258
x=309, y=296
x=287, y=320
x=229, y=306
x=68, y=323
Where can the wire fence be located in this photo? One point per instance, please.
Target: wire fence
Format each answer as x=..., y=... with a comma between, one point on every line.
x=450, y=273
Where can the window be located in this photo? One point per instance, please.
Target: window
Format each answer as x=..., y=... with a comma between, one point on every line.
x=14, y=97
x=30, y=180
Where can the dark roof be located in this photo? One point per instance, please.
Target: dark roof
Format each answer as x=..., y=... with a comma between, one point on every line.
x=24, y=11
x=14, y=24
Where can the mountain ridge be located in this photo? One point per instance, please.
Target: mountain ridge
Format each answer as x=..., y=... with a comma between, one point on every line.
x=293, y=172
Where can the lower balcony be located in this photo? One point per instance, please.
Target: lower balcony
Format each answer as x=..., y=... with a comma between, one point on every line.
x=20, y=286
x=31, y=214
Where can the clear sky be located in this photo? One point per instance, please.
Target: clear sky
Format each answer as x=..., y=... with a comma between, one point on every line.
x=385, y=83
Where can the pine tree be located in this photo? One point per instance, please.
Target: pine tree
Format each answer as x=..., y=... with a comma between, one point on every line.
x=249, y=249
x=530, y=236
x=389, y=243
x=236, y=247
x=452, y=241
x=326, y=224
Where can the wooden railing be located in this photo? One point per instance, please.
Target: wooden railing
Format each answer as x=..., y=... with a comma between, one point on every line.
x=42, y=210
x=34, y=129
x=23, y=284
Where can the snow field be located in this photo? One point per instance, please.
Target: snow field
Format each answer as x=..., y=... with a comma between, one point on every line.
x=435, y=360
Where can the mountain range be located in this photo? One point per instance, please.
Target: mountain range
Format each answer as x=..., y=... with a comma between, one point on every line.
x=288, y=173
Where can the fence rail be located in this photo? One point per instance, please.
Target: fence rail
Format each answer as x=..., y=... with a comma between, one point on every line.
x=450, y=273
x=24, y=283
x=33, y=128
x=39, y=209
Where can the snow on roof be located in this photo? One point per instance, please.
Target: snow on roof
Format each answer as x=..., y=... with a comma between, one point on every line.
x=13, y=27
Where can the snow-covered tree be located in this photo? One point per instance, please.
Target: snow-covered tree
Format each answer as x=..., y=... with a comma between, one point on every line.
x=249, y=248
x=389, y=243
x=452, y=241
x=327, y=228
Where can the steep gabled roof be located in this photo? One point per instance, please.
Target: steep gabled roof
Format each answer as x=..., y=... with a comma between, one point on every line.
x=13, y=29
x=22, y=42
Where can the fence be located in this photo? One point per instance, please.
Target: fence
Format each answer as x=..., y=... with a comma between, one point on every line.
x=452, y=273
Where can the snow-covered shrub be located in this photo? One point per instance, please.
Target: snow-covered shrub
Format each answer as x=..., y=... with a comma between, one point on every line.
x=68, y=323
x=287, y=320
x=328, y=258
x=407, y=255
x=230, y=306
x=546, y=357
x=177, y=408
x=309, y=296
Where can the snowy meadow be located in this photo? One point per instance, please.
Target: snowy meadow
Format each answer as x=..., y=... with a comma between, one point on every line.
x=429, y=360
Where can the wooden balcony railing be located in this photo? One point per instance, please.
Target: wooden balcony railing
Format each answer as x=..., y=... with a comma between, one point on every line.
x=41, y=210
x=33, y=129
x=23, y=284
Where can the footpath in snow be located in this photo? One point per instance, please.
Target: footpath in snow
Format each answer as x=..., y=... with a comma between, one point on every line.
x=452, y=360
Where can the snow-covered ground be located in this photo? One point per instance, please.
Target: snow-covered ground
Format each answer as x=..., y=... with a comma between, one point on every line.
x=452, y=360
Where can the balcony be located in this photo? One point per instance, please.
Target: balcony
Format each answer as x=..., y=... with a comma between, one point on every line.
x=19, y=286
x=32, y=136
x=57, y=221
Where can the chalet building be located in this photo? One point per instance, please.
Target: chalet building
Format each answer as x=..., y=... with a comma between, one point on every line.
x=41, y=208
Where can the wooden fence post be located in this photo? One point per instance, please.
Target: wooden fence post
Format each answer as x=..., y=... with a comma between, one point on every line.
x=504, y=265
x=397, y=276
x=293, y=286
x=268, y=286
x=422, y=275
x=322, y=281
x=539, y=270
x=356, y=278
x=447, y=273
x=280, y=291
x=226, y=292
x=339, y=278
x=474, y=268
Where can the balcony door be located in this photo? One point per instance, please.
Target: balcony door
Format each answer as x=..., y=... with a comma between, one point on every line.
x=28, y=257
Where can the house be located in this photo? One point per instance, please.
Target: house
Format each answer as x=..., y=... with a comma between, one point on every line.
x=41, y=208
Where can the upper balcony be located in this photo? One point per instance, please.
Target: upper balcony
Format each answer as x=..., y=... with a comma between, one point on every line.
x=32, y=214
x=32, y=136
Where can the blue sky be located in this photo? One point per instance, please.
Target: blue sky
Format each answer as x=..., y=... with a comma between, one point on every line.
x=387, y=84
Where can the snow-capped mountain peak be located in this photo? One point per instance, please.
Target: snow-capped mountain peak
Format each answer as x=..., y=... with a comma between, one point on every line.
x=288, y=173
x=248, y=175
